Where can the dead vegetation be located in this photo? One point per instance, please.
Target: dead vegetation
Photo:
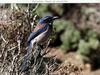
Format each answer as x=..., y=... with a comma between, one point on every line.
x=15, y=27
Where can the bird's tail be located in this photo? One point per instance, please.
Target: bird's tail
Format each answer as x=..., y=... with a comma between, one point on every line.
x=26, y=61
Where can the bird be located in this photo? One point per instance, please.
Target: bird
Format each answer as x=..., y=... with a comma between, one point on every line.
x=39, y=35
x=42, y=31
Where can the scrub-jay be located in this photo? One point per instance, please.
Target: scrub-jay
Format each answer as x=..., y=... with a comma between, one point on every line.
x=39, y=35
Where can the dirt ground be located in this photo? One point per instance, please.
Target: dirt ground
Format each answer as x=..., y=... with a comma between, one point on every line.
x=73, y=62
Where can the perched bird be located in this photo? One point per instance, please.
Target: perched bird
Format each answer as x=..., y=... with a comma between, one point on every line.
x=42, y=31
x=39, y=35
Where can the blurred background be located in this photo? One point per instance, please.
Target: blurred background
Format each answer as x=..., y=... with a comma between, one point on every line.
x=76, y=36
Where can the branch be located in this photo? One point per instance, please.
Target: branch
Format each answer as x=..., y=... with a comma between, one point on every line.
x=12, y=48
x=46, y=49
x=3, y=39
x=35, y=8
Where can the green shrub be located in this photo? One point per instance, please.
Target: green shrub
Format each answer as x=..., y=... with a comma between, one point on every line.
x=70, y=36
x=42, y=10
x=88, y=44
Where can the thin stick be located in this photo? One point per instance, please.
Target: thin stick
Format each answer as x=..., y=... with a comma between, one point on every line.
x=35, y=8
x=34, y=19
x=19, y=46
x=3, y=39
x=45, y=52
x=12, y=48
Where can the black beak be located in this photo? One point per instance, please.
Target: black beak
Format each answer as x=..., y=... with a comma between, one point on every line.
x=55, y=17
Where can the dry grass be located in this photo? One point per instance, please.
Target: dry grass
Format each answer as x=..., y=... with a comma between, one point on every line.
x=14, y=33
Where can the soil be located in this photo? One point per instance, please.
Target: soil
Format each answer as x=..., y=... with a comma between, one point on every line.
x=71, y=64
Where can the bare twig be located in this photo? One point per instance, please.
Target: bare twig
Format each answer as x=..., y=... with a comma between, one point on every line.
x=46, y=50
x=46, y=68
x=19, y=51
x=3, y=39
x=35, y=8
x=33, y=23
x=12, y=48
x=40, y=63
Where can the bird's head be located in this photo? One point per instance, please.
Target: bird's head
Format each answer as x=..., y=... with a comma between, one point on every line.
x=48, y=19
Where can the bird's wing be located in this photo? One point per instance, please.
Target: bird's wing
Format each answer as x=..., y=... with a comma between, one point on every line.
x=32, y=36
x=39, y=26
x=36, y=33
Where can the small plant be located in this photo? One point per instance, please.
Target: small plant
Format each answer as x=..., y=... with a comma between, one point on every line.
x=70, y=35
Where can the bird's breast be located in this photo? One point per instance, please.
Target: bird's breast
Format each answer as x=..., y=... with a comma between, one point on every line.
x=43, y=37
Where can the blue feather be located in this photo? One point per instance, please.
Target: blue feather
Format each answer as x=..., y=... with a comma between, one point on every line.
x=35, y=34
x=42, y=20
